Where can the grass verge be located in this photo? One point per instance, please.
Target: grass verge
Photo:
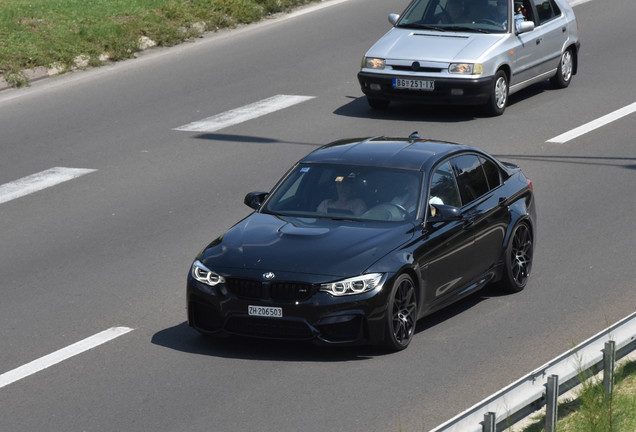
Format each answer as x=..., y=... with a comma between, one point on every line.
x=63, y=35
x=593, y=411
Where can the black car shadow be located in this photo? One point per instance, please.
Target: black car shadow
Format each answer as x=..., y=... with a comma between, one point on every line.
x=487, y=293
x=251, y=139
x=608, y=161
x=401, y=111
x=404, y=111
x=185, y=339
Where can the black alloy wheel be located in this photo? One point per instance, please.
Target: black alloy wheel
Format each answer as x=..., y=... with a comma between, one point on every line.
x=401, y=314
x=518, y=259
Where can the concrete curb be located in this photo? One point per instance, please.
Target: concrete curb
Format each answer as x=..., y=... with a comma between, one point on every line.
x=32, y=75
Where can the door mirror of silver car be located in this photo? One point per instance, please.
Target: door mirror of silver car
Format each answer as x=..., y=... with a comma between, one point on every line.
x=393, y=18
x=255, y=199
x=525, y=27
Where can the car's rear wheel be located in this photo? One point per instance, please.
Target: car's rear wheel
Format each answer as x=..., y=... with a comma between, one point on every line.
x=518, y=259
x=496, y=105
x=378, y=103
x=401, y=314
x=563, y=76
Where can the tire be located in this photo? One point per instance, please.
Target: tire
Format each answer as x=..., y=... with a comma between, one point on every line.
x=401, y=314
x=496, y=105
x=563, y=76
x=378, y=103
x=517, y=259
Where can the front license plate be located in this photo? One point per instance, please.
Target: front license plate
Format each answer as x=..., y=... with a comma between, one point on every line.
x=265, y=311
x=413, y=84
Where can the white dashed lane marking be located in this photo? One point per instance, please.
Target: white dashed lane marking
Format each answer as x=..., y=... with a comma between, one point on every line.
x=39, y=181
x=595, y=124
x=242, y=114
x=61, y=355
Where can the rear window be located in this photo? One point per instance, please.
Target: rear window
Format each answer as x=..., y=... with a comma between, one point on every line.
x=471, y=178
x=493, y=174
x=546, y=10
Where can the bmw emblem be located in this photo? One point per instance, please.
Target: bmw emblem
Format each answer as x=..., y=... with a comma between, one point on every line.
x=269, y=276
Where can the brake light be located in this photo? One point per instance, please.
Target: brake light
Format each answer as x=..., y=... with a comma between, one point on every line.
x=530, y=184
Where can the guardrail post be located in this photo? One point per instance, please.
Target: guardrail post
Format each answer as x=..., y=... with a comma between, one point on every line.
x=551, y=403
x=609, y=361
x=488, y=425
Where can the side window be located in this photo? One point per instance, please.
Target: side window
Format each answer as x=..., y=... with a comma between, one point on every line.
x=470, y=177
x=493, y=175
x=524, y=8
x=443, y=187
x=546, y=10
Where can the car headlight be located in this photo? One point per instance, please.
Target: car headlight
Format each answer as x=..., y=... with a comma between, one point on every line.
x=354, y=285
x=205, y=275
x=466, y=68
x=373, y=63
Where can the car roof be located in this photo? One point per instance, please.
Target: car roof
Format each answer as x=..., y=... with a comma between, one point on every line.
x=413, y=153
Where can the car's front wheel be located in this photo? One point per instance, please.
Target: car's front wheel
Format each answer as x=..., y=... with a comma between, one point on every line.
x=401, y=314
x=563, y=76
x=517, y=259
x=498, y=100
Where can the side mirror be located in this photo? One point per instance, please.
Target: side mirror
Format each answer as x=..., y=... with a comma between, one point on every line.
x=255, y=199
x=393, y=18
x=525, y=27
x=443, y=213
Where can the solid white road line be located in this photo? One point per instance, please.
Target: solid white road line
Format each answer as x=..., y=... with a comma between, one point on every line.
x=595, y=124
x=39, y=181
x=247, y=112
x=61, y=355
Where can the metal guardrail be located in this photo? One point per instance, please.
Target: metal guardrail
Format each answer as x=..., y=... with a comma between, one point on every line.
x=541, y=387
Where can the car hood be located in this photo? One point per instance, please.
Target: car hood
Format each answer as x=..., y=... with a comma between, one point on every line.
x=268, y=243
x=444, y=47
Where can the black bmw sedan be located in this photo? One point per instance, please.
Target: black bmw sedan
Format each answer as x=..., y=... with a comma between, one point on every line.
x=363, y=237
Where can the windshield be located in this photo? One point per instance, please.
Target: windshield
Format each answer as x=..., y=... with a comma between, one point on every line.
x=483, y=16
x=347, y=192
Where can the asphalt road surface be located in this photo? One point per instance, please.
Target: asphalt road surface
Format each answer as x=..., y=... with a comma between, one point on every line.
x=93, y=333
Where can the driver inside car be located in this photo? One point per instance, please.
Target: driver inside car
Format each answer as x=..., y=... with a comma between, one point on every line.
x=344, y=200
x=408, y=196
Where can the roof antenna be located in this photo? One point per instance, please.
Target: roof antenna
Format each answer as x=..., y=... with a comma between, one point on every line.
x=414, y=136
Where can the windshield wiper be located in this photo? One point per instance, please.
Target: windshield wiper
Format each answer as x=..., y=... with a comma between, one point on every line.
x=422, y=27
x=467, y=29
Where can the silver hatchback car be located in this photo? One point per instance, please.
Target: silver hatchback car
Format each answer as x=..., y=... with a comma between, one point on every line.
x=472, y=52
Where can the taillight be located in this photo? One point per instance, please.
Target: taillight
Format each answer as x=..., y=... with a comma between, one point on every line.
x=530, y=184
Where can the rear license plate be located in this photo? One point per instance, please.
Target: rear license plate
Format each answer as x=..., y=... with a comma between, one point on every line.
x=413, y=84
x=265, y=311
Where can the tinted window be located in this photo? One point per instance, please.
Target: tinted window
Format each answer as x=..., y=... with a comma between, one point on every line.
x=365, y=193
x=470, y=177
x=493, y=175
x=443, y=187
x=546, y=10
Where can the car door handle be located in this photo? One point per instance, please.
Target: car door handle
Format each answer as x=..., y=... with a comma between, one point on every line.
x=503, y=202
x=468, y=222
x=539, y=41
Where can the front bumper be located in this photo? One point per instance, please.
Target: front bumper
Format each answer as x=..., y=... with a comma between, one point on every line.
x=447, y=90
x=321, y=318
